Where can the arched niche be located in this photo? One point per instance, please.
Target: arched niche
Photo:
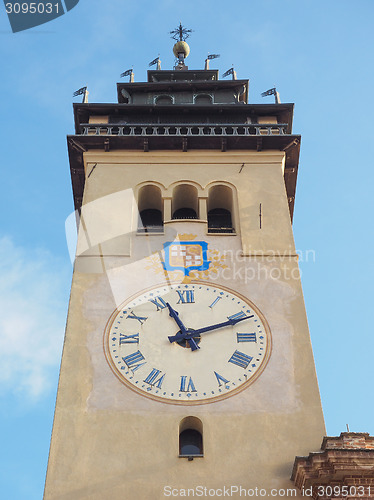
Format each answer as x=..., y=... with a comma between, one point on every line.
x=185, y=202
x=164, y=100
x=150, y=209
x=203, y=99
x=191, y=438
x=220, y=209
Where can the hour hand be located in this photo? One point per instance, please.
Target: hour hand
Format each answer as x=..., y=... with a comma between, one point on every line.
x=173, y=313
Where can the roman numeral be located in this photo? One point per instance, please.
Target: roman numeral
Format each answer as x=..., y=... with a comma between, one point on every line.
x=141, y=319
x=158, y=302
x=190, y=387
x=153, y=380
x=129, y=339
x=246, y=337
x=240, y=359
x=239, y=315
x=133, y=360
x=221, y=380
x=186, y=296
x=215, y=302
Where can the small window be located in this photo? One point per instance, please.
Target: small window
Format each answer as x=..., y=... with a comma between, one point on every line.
x=150, y=221
x=185, y=202
x=220, y=205
x=203, y=99
x=191, y=438
x=219, y=221
x=164, y=100
x=150, y=218
x=190, y=443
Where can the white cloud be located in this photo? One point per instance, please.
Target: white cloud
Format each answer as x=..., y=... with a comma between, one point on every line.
x=33, y=302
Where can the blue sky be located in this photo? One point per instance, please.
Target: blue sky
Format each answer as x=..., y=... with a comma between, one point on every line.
x=318, y=54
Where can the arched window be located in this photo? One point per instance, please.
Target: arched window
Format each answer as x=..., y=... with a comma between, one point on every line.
x=220, y=210
x=191, y=438
x=150, y=210
x=203, y=99
x=185, y=203
x=163, y=99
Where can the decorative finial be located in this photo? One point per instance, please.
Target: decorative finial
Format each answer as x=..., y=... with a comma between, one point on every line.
x=180, y=34
x=181, y=49
x=273, y=92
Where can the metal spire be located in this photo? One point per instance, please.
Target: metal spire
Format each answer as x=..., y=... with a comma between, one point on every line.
x=180, y=34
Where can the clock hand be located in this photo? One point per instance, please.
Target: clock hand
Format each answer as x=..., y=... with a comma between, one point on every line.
x=173, y=313
x=230, y=322
x=183, y=330
x=189, y=334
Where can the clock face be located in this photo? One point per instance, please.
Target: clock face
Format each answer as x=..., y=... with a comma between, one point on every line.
x=187, y=343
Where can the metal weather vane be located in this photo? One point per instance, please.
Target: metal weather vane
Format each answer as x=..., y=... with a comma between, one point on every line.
x=130, y=73
x=209, y=58
x=180, y=34
x=269, y=92
x=273, y=92
x=82, y=91
x=156, y=61
x=126, y=73
x=230, y=71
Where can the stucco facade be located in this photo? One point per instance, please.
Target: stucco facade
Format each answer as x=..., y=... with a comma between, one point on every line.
x=112, y=442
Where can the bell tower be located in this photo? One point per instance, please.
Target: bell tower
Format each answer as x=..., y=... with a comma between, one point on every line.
x=187, y=361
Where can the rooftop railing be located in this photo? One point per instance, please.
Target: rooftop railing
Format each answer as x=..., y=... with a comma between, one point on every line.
x=162, y=130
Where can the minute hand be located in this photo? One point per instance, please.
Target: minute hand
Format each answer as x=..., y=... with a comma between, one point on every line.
x=229, y=322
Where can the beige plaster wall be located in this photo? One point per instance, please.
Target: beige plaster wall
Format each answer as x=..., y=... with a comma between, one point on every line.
x=110, y=442
x=259, y=181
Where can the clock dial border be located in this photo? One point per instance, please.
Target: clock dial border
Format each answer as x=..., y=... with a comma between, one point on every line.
x=207, y=400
